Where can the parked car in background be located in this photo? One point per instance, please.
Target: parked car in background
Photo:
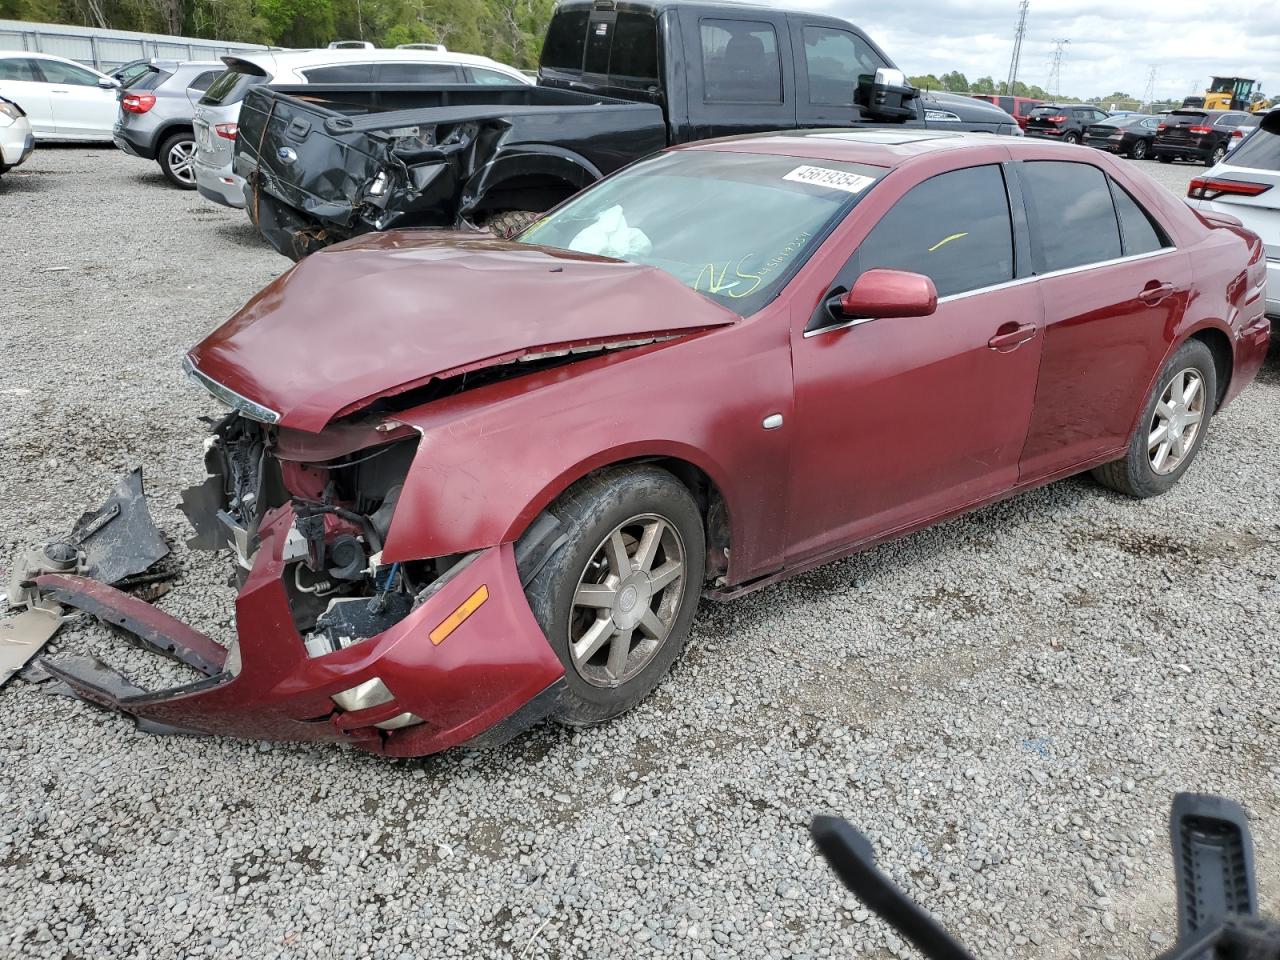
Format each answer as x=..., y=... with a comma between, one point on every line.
x=1129, y=135
x=16, y=140
x=1063, y=121
x=217, y=114
x=62, y=99
x=1200, y=135
x=156, y=108
x=1247, y=186
x=745, y=296
x=1017, y=107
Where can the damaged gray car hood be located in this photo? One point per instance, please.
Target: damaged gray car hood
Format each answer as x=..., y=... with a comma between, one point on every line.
x=388, y=312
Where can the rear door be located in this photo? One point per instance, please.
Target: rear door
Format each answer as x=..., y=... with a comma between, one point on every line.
x=22, y=82
x=1112, y=285
x=81, y=108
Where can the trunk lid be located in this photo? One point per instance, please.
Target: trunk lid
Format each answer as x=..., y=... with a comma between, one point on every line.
x=388, y=312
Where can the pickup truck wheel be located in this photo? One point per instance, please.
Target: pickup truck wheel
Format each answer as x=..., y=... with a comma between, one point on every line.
x=176, y=157
x=507, y=224
x=618, y=596
x=1174, y=423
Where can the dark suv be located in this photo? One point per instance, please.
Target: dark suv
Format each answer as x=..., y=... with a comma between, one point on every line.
x=1063, y=121
x=1203, y=135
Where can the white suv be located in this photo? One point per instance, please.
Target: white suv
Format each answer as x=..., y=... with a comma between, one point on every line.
x=1246, y=185
x=217, y=114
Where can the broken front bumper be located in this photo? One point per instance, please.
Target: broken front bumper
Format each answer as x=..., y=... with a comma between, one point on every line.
x=483, y=683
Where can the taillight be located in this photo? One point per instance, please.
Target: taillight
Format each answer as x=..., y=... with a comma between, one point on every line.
x=1200, y=131
x=1237, y=132
x=1162, y=126
x=138, y=102
x=1211, y=188
x=227, y=131
x=1056, y=119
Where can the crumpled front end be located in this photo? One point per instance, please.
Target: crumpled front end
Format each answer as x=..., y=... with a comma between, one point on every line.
x=403, y=658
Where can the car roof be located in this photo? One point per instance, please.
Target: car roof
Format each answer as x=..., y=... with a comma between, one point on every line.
x=879, y=147
x=273, y=60
x=31, y=54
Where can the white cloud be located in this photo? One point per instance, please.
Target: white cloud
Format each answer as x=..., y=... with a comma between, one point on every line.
x=1113, y=45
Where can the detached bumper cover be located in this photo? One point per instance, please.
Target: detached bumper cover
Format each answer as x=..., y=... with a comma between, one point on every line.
x=494, y=676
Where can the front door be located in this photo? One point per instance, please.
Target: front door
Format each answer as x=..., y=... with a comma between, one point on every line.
x=81, y=108
x=902, y=420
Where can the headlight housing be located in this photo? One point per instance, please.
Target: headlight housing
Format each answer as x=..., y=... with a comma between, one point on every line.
x=9, y=113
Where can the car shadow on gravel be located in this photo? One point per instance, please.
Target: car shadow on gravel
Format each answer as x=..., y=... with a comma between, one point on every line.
x=242, y=233
x=1270, y=372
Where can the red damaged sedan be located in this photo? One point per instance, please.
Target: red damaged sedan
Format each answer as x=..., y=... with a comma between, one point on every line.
x=471, y=484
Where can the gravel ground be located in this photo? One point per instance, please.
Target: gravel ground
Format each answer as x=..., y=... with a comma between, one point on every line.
x=1005, y=703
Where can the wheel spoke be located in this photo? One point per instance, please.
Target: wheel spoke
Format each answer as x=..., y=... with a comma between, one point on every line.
x=1179, y=445
x=1158, y=436
x=599, y=595
x=651, y=626
x=619, y=650
x=592, y=640
x=647, y=551
x=1164, y=410
x=1190, y=390
x=665, y=574
x=1161, y=455
x=615, y=549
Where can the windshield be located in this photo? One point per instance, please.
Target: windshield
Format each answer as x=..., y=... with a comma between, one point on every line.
x=231, y=86
x=732, y=226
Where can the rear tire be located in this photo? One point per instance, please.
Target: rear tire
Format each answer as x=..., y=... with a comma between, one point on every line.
x=507, y=224
x=1164, y=158
x=1071, y=138
x=1138, y=151
x=617, y=636
x=176, y=157
x=1156, y=460
x=1219, y=154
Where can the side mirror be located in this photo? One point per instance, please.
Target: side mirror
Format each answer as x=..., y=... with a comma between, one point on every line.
x=886, y=293
x=106, y=83
x=1271, y=122
x=886, y=95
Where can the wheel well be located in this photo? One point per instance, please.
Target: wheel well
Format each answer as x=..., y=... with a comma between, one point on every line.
x=533, y=192
x=1220, y=347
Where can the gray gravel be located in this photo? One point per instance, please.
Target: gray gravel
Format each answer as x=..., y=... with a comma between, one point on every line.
x=1005, y=703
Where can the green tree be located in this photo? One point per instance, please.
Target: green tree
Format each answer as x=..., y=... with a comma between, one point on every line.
x=955, y=82
x=983, y=85
x=925, y=81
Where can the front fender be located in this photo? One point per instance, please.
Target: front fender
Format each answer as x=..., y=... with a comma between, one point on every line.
x=491, y=459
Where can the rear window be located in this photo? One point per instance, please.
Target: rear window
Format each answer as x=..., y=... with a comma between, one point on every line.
x=153, y=77
x=1185, y=117
x=740, y=62
x=1260, y=150
x=240, y=77
x=341, y=73
x=635, y=47
x=416, y=73
x=566, y=40
x=1045, y=112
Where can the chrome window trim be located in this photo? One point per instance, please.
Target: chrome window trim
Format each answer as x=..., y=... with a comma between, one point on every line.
x=237, y=402
x=1066, y=271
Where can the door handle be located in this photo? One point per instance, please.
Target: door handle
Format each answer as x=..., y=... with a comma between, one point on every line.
x=1154, y=292
x=59, y=91
x=1011, y=335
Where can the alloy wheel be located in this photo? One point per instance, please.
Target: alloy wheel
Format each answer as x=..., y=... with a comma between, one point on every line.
x=627, y=600
x=1139, y=150
x=1176, y=421
x=181, y=158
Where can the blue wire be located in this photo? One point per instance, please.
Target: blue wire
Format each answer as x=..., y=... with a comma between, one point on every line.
x=391, y=577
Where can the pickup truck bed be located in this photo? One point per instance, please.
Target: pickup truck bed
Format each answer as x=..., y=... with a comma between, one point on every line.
x=322, y=163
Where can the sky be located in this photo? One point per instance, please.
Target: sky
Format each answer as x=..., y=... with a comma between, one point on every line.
x=1113, y=44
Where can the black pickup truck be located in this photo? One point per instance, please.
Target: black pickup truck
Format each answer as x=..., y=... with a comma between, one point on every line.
x=617, y=81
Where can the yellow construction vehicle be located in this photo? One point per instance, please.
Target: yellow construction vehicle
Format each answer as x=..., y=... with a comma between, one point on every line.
x=1226, y=93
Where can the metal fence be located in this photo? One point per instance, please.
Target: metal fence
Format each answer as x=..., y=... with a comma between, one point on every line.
x=105, y=50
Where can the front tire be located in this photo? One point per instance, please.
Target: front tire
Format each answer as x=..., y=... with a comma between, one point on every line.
x=617, y=598
x=1174, y=424
x=1219, y=154
x=177, y=158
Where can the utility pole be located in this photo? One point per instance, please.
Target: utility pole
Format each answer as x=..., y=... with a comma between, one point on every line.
x=1055, y=68
x=1149, y=95
x=1017, y=47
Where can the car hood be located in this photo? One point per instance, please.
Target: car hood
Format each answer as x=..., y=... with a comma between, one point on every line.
x=967, y=109
x=387, y=312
